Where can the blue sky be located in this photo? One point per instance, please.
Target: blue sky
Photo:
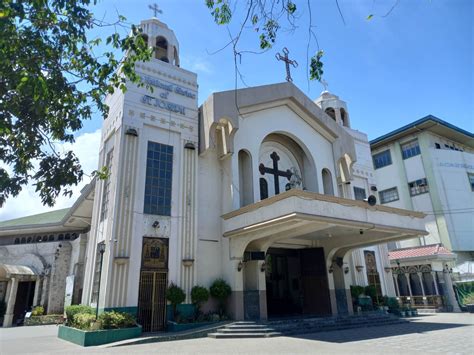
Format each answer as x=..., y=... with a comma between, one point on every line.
x=390, y=70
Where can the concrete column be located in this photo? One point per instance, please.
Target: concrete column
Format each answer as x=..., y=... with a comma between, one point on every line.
x=449, y=289
x=37, y=291
x=8, y=318
x=395, y=282
x=420, y=277
x=262, y=288
x=360, y=276
x=407, y=276
x=44, y=292
x=435, y=282
x=332, y=293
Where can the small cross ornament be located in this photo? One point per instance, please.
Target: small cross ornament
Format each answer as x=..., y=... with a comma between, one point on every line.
x=287, y=61
x=156, y=10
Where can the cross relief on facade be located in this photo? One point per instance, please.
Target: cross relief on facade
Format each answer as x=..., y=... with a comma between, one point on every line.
x=275, y=172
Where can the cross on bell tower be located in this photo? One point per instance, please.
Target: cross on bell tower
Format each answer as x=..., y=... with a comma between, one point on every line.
x=156, y=10
x=287, y=61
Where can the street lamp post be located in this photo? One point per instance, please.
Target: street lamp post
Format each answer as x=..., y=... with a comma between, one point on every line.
x=101, y=248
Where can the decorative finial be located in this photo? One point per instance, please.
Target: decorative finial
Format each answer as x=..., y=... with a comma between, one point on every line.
x=156, y=10
x=287, y=61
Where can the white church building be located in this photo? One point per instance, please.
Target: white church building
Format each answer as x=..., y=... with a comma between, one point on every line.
x=262, y=187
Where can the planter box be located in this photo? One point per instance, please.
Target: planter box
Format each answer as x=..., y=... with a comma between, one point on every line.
x=179, y=327
x=97, y=337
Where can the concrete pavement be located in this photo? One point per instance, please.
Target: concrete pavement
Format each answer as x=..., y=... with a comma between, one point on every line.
x=447, y=333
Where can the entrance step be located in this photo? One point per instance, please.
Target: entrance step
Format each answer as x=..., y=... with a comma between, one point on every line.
x=314, y=325
x=239, y=330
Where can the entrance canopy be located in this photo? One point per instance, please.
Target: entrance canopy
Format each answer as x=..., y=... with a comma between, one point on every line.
x=8, y=271
x=306, y=219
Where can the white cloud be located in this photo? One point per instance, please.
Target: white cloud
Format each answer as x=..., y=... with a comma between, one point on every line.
x=197, y=65
x=28, y=202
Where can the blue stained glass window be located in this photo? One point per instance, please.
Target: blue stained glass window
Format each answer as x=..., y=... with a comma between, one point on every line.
x=159, y=173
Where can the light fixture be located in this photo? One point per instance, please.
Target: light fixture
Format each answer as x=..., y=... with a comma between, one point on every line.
x=101, y=248
x=330, y=270
x=190, y=146
x=346, y=269
x=359, y=268
x=263, y=267
x=387, y=269
x=240, y=266
x=156, y=224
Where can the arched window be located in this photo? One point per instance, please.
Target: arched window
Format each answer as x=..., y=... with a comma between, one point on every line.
x=263, y=189
x=245, y=178
x=61, y=237
x=29, y=240
x=17, y=240
x=23, y=240
x=145, y=38
x=327, y=182
x=67, y=237
x=344, y=118
x=38, y=238
x=330, y=111
x=161, y=49
x=51, y=238
x=176, y=57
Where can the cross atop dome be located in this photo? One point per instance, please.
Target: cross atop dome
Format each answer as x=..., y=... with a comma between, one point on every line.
x=156, y=10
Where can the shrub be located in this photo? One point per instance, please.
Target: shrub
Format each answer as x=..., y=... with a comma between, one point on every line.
x=220, y=290
x=37, y=311
x=392, y=304
x=175, y=295
x=75, y=309
x=371, y=291
x=116, y=320
x=356, y=291
x=199, y=295
x=469, y=299
x=83, y=321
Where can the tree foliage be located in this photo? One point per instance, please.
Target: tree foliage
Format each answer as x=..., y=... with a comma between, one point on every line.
x=51, y=81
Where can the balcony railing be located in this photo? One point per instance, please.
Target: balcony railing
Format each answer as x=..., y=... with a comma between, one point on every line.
x=431, y=301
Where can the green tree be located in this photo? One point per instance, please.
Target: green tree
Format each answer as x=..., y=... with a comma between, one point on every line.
x=51, y=81
x=220, y=290
x=199, y=295
x=175, y=295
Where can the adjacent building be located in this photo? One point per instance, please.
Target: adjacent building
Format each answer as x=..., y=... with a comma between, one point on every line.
x=428, y=166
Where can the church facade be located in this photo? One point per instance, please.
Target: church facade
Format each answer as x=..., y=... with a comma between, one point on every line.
x=262, y=187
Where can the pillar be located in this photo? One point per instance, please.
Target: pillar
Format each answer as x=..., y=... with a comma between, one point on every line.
x=332, y=293
x=236, y=301
x=395, y=282
x=360, y=276
x=407, y=276
x=44, y=292
x=8, y=318
x=36, y=296
x=262, y=289
x=420, y=277
x=435, y=282
x=449, y=289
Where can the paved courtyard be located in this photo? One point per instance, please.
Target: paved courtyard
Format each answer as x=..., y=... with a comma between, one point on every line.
x=441, y=333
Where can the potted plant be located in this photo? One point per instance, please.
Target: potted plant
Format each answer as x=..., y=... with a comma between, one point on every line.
x=220, y=290
x=469, y=302
x=175, y=295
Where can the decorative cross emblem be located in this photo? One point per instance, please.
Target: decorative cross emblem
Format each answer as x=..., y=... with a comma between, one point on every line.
x=287, y=61
x=275, y=172
x=156, y=10
x=325, y=84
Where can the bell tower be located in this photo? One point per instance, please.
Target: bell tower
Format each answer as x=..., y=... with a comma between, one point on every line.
x=334, y=107
x=145, y=211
